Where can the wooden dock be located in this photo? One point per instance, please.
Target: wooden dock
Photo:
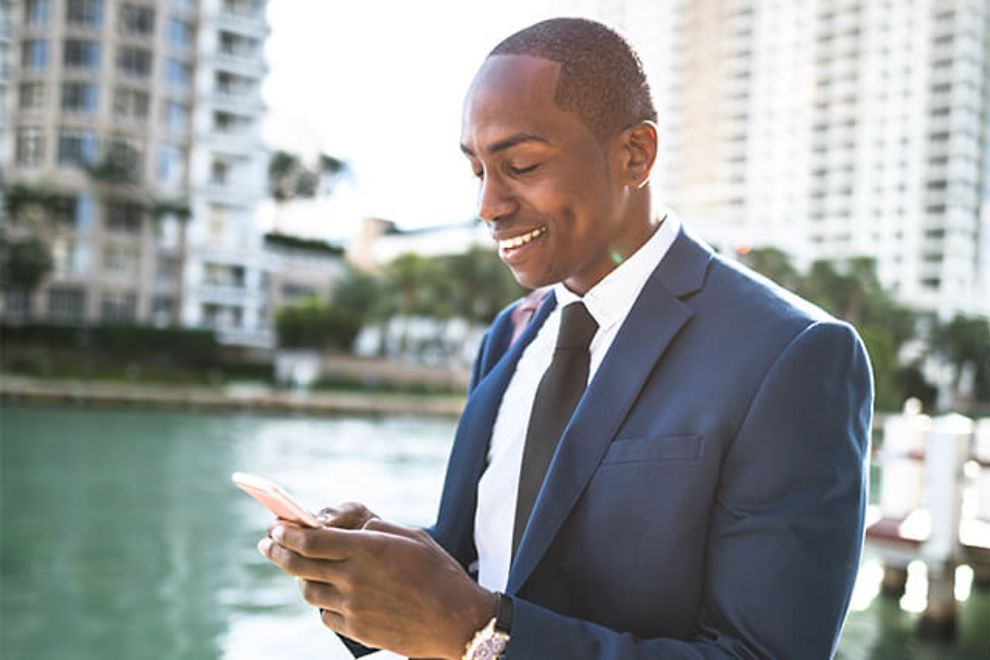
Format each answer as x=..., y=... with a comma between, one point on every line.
x=253, y=398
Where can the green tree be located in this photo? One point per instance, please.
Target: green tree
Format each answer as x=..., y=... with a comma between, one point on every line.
x=312, y=323
x=774, y=264
x=964, y=342
x=482, y=284
x=289, y=178
x=851, y=291
x=24, y=263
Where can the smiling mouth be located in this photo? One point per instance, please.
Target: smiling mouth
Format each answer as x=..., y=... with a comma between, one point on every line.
x=522, y=239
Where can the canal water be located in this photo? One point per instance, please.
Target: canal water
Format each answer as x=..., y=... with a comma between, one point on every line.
x=122, y=536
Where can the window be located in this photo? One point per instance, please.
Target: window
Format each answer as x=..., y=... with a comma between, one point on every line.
x=217, y=221
x=134, y=61
x=37, y=12
x=66, y=304
x=130, y=103
x=81, y=54
x=177, y=73
x=176, y=116
x=31, y=96
x=163, y=310
x=223, y=275
x=76, y=147
x=64, y=211
x=220, y=172
x=134, y=19
x=120, y=260
x=179, y=33
x=84, y=212
x=126, y=156
x=29, y=150
x=168, y=231
x=79, y=97
x=118, y=307
x=236, y=45
x=171, y=164
x=70, y=257
x=84, y=12
x=34, y=54
x=123, y=217
x=224, y=122
x=167, y=269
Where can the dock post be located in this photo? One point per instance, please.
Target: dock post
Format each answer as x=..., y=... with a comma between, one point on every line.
x=981, y=454
x=901, y=483
x=946, y=451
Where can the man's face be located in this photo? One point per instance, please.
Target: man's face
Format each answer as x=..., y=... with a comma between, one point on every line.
x=547, y=186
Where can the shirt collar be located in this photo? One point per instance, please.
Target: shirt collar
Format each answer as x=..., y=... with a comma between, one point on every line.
x=611, y=299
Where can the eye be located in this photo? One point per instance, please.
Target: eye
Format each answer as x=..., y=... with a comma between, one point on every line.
x=523, y=170
x=478, y=173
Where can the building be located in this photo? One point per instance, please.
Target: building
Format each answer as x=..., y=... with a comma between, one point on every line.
x=380, y=241
x=140, y=122
x=296, y=269
x=830, y=128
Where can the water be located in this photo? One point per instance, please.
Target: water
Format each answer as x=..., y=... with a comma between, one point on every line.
x=123, y=537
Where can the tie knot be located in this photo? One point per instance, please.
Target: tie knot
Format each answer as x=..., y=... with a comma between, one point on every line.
x=577, y=327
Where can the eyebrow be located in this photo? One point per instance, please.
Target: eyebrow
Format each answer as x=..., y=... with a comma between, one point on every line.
x=509, y=142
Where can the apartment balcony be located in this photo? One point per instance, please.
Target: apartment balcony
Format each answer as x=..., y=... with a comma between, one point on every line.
x=223, y=294
x=240, y=194
x=246, y=104
x=253, y=66
x=248, y=23
x=239, y=143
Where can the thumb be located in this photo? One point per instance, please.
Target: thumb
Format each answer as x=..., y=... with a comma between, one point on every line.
x=386, y=527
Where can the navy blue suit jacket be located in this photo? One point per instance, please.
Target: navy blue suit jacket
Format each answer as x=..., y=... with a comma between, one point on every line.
x=707, y=498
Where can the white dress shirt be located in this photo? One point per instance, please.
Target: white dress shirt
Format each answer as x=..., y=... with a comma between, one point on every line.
x=609, y=303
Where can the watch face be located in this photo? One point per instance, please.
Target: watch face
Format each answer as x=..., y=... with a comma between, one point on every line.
x=491, y=648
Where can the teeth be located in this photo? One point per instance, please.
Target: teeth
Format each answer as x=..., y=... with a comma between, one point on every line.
x=521, y=240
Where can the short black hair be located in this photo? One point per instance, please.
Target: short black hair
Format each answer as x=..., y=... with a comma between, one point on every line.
x=601, y=77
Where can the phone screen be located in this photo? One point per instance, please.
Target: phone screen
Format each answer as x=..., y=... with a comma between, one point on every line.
x=275, y=499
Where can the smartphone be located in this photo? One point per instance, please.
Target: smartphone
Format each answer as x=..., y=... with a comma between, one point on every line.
x=275, y=499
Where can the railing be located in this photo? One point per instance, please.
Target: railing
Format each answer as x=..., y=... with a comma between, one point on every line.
x=928, y=464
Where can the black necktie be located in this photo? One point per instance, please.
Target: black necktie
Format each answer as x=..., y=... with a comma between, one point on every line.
x=558, y=394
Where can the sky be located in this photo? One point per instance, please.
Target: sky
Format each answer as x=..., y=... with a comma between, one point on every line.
x=380, y=84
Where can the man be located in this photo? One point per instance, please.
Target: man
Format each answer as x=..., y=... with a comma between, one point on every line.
x=704, y=498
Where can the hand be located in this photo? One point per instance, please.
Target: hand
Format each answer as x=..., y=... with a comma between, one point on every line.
x=384, y=585
x=349, y=515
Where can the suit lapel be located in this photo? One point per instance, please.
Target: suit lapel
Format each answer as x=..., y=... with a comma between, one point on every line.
x=652, y=324
x=455, y=521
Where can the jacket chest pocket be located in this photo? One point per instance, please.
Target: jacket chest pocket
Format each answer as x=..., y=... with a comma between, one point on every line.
x=653, y=448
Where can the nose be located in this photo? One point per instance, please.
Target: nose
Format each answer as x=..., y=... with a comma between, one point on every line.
x=494, y=199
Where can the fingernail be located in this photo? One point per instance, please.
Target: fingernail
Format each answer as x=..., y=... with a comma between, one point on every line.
x=278, y=533
x=263, y=546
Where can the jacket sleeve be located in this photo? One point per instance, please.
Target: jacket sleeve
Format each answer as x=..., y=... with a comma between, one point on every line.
x=477, y=372
x=786, y=527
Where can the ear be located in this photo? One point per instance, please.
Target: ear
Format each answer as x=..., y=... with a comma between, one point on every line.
x=638, y=152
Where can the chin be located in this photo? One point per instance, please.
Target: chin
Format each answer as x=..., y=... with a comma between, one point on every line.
x=533, y=280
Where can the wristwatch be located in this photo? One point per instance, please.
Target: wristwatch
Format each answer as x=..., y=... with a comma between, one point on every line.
x=490, y=642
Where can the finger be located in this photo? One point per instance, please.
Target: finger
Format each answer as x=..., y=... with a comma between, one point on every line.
x=320, y=594
x=334, y=621
x=323, y=543
x=280, y=521
x=379, y=525
x=349, y=515
x=295, y=564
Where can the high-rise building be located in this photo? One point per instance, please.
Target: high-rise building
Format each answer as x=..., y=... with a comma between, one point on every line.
x=830, y=128
x=139, y=122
